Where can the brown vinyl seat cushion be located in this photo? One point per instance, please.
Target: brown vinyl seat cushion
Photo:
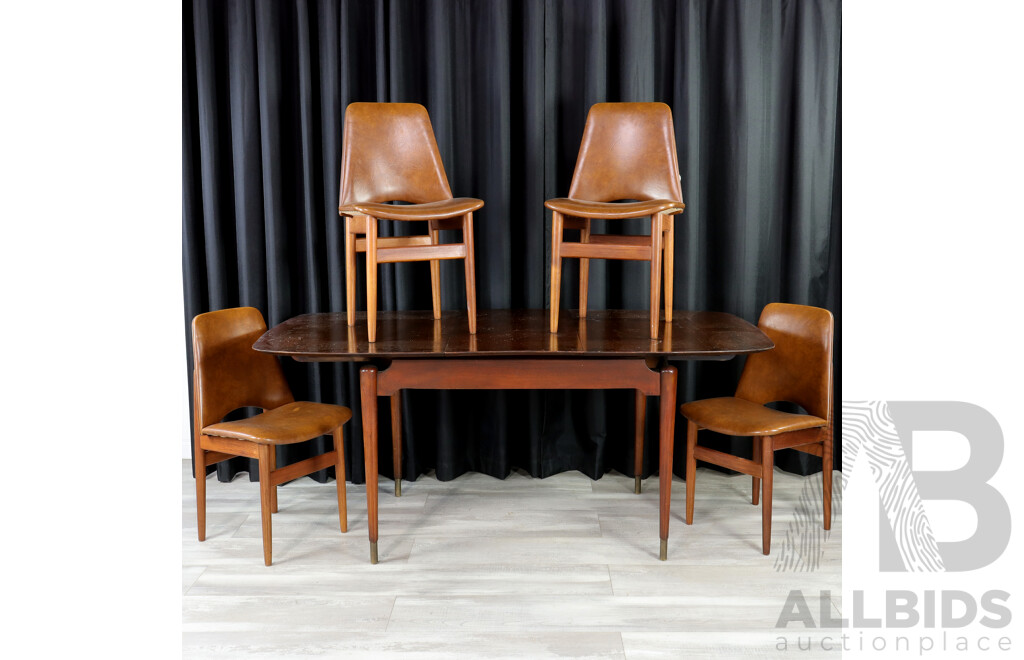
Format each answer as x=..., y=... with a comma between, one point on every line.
x=580, y=208
x=293, y=422
x=739, y=417
x=448, y=208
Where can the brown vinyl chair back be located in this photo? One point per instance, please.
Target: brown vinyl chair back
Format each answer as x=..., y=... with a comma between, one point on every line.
x=799, y=368
x=628, y=152
x=389, y=155
x=229, y=374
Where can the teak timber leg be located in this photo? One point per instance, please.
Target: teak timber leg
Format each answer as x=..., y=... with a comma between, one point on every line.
x=667, y=424
x=768, y=468
x=754, y=497
x=339, y=475
x=826, y=477
x=199, y=467
x=371, y=279
x=670, y=257
x=350, y=272
x=470, y=261
x=638, y=443
x=691, y=468
x=368, y=395
x=396, y=440
x=584, y=270
x=556, y=266
x=435, y=273
x=265, y=489
x=657, y=241
x=273, y=489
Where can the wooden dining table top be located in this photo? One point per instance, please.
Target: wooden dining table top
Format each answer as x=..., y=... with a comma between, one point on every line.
x=692, y=335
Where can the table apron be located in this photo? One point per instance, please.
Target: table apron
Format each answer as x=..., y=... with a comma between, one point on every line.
x=519, y=374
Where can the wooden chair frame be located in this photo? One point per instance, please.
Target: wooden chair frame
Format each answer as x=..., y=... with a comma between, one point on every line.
x=210, y=450
x=361, y=235
x=658, y=249
x=817, y=442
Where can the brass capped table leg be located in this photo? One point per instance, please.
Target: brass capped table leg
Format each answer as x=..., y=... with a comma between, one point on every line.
x=398, y=487
x=636, y=484
x=663, y=556
x=373, y=552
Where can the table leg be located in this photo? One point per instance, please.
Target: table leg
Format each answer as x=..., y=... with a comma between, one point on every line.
x=368, y=394
x=638, y=439
x=667, y=427
x=396, y=440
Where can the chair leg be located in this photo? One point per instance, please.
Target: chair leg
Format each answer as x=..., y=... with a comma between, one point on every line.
x=371, y=279
x=657, y=241
x=826, y=477
x=669, y=259
x=273, y=489
x=638, y=443
x=339, y=475
x=691, y=468
x=265, y=488
x=556, y=266
x=767, y=471
x=350, y=272
x=435, y=273
x=467, y=237
x=757, y=480
x=396, y=440
x=584, y=269
x=199, y=466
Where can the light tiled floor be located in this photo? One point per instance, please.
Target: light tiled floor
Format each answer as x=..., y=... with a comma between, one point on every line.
x=477, y=567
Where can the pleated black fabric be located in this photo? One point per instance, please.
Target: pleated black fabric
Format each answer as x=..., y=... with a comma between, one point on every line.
x=754, y=90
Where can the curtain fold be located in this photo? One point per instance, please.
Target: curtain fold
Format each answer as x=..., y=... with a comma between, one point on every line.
x=754, y=90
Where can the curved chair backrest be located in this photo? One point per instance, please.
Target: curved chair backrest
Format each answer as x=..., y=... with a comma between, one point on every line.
x=389, y=155
x=799, y=368
x=628, y=152
x=229, y=374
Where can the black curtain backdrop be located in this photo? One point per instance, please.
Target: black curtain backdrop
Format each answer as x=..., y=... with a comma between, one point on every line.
x=754, y=90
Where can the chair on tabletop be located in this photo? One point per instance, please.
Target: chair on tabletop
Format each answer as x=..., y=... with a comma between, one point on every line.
x=628, y=152
x=390, y=155
x=798, y=370
x=229, y=375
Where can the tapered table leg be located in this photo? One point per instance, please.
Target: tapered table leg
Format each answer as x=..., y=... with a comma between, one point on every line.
x=368, y=394
x=638, y=439
x=396, y=440
x=667, y=427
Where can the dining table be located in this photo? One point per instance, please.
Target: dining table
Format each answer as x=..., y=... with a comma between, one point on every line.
x=514, y=349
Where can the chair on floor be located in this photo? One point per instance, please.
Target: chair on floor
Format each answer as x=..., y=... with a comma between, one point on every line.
x=628, y=152
x=230, y=375
x=798, y=370
x=390, y=155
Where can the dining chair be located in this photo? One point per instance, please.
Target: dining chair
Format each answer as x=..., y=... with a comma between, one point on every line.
x=229, y=375
x=628, y=152
x=798, y=370
x=389, y=154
